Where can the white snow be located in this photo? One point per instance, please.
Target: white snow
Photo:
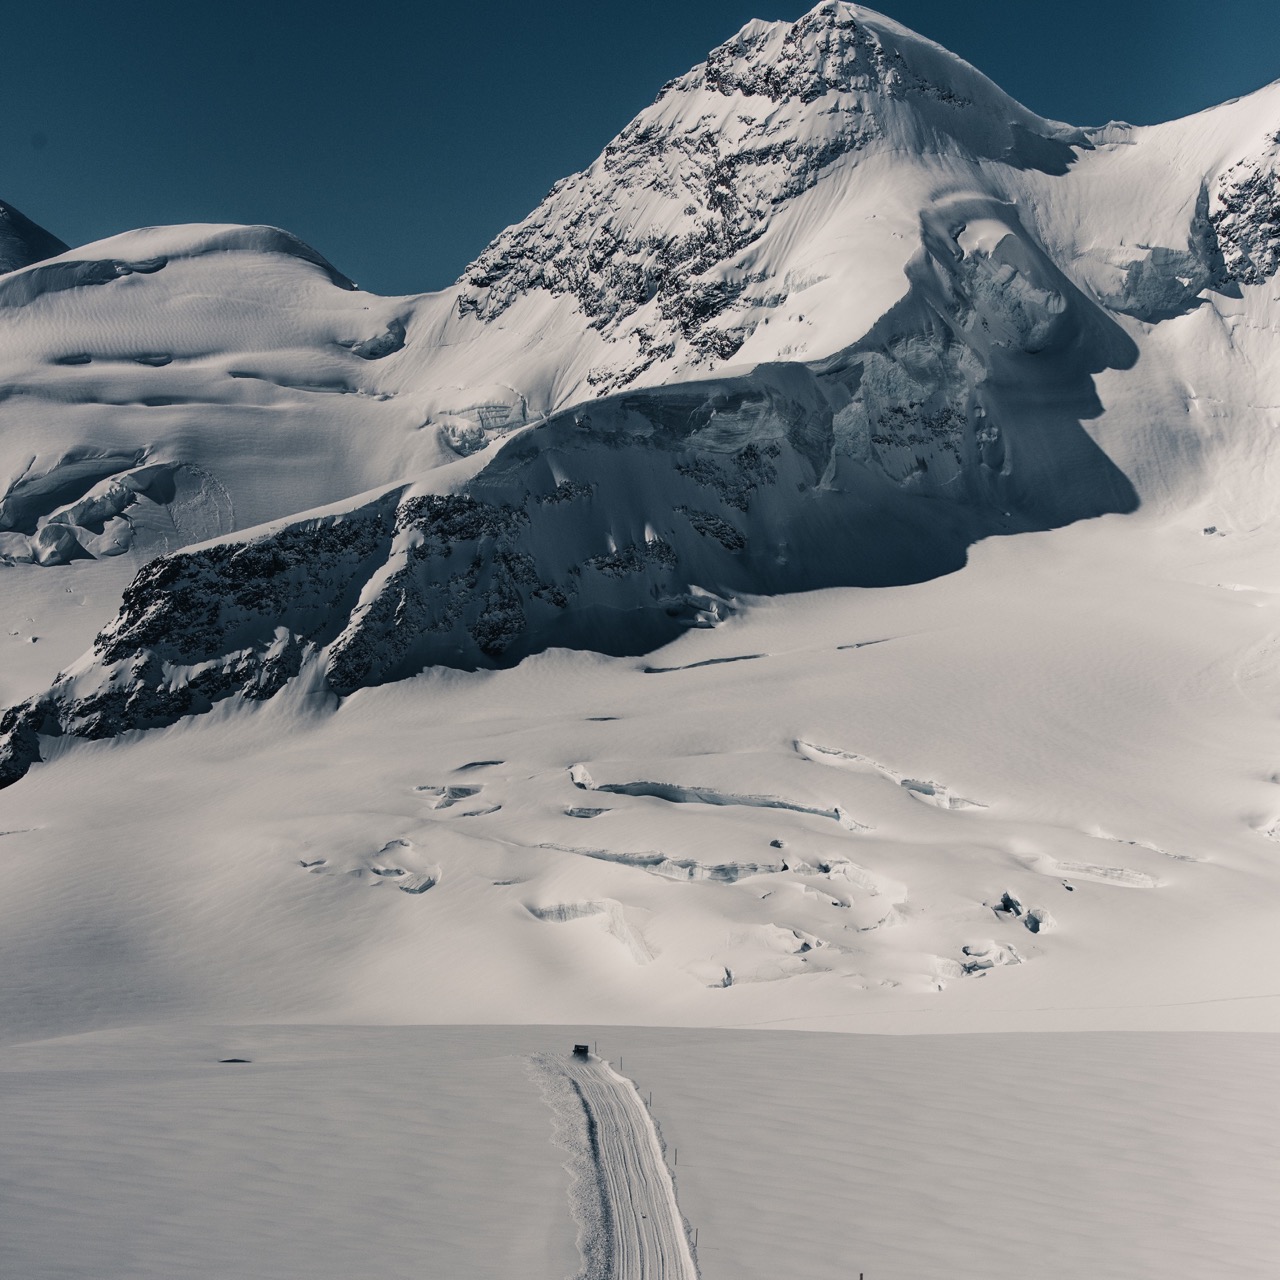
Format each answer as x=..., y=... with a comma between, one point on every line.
x=1035, y=798
x=400, y=1151
x=1109, y=721
x=641, y=1234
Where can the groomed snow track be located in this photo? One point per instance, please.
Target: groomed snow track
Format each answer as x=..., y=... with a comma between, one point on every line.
x=644, y=1232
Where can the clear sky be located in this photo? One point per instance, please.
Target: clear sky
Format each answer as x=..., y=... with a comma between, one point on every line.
x=400, y=138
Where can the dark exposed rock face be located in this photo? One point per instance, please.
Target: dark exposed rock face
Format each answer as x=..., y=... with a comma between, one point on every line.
x=196, y=627
x=826, y=51
x=1247, y=220
x=189, y=604
x=726, y=197
x=22, y=242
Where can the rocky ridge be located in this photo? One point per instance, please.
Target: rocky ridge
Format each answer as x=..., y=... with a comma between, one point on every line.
x=650, y=240
x=1246, y=219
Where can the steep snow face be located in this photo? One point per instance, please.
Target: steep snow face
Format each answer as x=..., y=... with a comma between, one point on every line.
x=22, y=242
x=1161, y=221
x=700, y=222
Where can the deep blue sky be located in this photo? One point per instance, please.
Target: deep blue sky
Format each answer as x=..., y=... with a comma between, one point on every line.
x=399, y=138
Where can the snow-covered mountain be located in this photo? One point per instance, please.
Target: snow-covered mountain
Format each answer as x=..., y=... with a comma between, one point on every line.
x=855, y=262
x=830, y=313
x=737, y=188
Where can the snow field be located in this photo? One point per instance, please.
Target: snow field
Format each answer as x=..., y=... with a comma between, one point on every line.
x=1038, y=795
x=431, y=1152
x=365, y=1153
x=425, y=854
x=1133, y=1157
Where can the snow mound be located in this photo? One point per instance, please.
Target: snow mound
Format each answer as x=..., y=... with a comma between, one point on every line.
x=149, y=250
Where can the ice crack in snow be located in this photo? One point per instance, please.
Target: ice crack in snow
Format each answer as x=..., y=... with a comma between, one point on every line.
x=674, y=793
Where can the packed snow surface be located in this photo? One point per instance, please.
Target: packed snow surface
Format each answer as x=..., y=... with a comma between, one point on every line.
x=630, y=1226
x=432, y=1152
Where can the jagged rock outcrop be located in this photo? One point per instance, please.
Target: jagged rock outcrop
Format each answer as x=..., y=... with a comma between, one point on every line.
x=1246, y=220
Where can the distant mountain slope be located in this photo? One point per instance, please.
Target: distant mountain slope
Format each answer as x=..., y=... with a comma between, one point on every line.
x=22, y=242
x=166, y=385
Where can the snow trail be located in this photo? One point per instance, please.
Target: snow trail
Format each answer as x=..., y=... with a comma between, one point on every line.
x=644, y=1232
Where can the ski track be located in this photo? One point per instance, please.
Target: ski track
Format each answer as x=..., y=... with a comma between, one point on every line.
x=647, y=1239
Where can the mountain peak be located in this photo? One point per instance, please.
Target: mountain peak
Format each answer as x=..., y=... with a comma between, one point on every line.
x=841, y=48
x=835, y=47
x=661, y=241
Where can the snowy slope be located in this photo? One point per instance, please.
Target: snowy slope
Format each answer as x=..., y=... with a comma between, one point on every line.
x=156, y=382
x=829, y=316
x=742, y=188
